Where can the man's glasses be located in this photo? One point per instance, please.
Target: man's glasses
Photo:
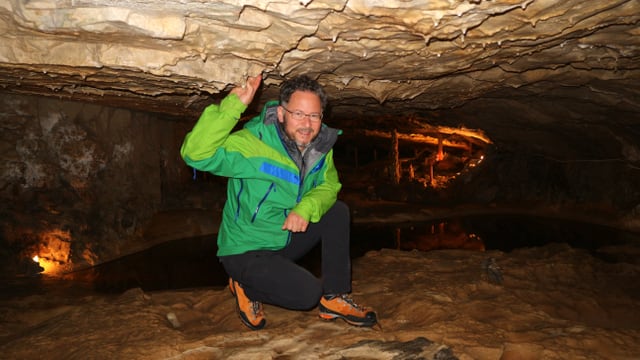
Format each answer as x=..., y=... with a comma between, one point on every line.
x=299, y=115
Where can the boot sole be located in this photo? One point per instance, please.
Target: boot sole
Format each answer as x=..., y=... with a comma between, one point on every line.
x=333, y=317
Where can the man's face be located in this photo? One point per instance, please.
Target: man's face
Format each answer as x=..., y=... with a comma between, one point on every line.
x=308, y=107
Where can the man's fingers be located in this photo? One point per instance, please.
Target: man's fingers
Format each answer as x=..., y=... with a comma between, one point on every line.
x=248, y=90
x=295, y=223
x=254, y=81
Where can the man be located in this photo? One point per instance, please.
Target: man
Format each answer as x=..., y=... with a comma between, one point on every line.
x=281, y=201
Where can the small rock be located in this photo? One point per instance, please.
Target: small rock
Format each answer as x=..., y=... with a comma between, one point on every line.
x=173, y=319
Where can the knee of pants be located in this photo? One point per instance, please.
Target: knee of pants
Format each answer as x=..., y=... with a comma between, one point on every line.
x=308, y=296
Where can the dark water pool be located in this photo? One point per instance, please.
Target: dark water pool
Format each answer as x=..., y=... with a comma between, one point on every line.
x=488, y=232
x=191, y=262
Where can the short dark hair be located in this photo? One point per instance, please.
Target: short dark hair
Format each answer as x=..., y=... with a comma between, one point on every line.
x=302, y=83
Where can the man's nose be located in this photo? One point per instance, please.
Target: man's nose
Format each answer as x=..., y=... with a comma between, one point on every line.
x=306, y=120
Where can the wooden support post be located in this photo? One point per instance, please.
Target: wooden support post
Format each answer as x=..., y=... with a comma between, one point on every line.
x=395, y=158
x=440, y=154
x=431, y=179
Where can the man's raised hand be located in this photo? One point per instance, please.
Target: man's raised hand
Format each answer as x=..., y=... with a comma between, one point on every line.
x=248, y=91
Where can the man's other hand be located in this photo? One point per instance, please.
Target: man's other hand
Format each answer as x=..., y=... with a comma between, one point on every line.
x=295, y=223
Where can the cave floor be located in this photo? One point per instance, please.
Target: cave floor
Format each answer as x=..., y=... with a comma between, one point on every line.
x=554, y=302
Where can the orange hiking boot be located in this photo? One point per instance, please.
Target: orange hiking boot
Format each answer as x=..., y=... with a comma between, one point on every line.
x=250, y=312
x=343, y=307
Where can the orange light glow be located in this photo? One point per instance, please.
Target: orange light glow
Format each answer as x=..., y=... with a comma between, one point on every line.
x=53, y=252
x=50, y=267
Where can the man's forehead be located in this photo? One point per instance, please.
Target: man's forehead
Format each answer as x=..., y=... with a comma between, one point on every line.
x=305, y=96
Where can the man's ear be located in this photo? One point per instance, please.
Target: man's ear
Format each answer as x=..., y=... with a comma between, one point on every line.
x=280, y=114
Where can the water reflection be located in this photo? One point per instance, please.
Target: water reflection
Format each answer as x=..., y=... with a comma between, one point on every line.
x=189, y=263
x=448, y=234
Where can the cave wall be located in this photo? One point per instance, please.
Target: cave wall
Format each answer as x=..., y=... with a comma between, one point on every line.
x=78, y=181
x=554, y=84
x=557, y=152
x=81, y=183
x=556, y=155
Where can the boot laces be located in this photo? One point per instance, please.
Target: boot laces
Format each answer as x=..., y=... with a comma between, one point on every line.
x=346, y=298
x=256, y=308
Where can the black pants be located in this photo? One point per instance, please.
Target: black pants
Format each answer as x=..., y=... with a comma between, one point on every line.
x=273, y=277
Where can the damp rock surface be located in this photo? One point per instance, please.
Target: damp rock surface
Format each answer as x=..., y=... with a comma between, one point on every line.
x=555, y=302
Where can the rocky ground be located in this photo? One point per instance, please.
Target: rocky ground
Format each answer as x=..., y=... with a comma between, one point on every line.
x=554, y=302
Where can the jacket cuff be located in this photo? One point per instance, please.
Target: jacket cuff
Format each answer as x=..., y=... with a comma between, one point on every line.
x=232, y=105
x=304, y=210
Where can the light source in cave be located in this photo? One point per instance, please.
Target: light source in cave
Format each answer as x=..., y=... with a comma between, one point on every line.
x=53, y=251
x=48, y=266
x=36, y=259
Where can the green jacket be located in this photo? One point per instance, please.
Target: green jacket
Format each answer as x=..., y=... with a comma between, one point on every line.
x=268, y=177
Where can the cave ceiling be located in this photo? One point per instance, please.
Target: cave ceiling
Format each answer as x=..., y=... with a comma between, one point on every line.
x=373, y=57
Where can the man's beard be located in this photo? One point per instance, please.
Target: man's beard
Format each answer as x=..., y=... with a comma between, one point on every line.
x=299, y=144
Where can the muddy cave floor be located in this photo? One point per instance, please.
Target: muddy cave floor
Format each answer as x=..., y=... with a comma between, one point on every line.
x=554, y=302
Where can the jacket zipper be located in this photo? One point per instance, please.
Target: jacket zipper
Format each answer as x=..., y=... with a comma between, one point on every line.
x=302, y=175
x=238, y=199
x=255, y=213
x=317, y=166
x=286, y=213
